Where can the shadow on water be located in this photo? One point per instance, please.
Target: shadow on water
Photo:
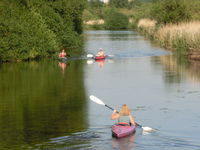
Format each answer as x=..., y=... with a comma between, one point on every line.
x=39, y=101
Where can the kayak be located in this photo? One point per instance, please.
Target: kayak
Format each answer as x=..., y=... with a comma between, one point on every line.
x=120, y=130
x=99, y=57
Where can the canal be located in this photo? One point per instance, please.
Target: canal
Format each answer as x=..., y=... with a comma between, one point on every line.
x=46, y=105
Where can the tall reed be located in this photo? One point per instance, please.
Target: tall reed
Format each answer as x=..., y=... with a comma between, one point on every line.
x=147, y=26
x=183, y=36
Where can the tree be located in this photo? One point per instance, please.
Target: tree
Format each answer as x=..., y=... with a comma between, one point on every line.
x=115, y=20
x=166, y=11
x=95, y=4
x=119, y=3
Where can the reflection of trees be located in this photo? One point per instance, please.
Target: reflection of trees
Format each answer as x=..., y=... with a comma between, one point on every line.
x=38, y=102
x=119, y=36
x=175, y=68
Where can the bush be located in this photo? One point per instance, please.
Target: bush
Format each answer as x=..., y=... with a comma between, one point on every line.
x=26, y=35
x=170, y=11
x=115, y=20
x=119, y=3
x=31, y=29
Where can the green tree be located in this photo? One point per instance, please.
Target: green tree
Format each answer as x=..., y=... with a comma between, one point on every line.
x=95, y=4
x=31, y=29
x=166, y=11
x=115, y=20
x=118, y=3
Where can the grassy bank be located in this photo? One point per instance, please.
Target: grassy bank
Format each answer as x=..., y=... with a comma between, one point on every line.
x=182, y=37
x=173, y=24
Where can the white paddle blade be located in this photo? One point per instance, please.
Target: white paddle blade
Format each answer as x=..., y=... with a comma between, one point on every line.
x=148, y=129
x=111, y=55
x=96, y=100
x=90, y=55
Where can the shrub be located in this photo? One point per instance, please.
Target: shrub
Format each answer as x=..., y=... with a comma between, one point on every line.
x=170, y=11
x=26, y=35
x=115, y=20
x=31, y=29
x=119, y=3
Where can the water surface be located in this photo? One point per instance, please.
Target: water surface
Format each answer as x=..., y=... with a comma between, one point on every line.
x=45, y=105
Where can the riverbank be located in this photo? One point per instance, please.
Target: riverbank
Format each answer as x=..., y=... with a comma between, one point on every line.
x=184, y=38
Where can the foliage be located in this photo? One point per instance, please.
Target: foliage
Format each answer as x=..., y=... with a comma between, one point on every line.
x=118, y=3
x=26, y=35
x=166, y=11
x=115, y=20
x=88, y=15
x=95, y=4
x=32, y=29
x=141, y=12
x=133, y=4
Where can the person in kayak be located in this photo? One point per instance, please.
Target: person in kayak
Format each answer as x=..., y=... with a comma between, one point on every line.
x=100, y=53
x=123, y=116
x=62, y=54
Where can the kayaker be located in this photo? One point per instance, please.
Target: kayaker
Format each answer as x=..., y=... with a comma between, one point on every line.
x=100, y=53
x=123, y=116
x=62, y=54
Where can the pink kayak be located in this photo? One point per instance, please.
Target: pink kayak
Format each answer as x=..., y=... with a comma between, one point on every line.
x=99, y=57
x=120, y=130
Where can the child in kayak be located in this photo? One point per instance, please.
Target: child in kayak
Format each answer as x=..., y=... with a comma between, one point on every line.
x=100, y=53
x=62, y=54
x=123, y=116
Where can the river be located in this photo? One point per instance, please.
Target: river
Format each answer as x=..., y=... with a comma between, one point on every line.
x=46, y=105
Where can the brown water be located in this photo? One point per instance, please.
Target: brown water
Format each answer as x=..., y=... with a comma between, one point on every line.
x=45, y=105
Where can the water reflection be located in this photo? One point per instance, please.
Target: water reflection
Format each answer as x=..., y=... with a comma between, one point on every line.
x=39, y=103
x=62, y=65
x=180, y=70
x=126, y=143
x=100, y=63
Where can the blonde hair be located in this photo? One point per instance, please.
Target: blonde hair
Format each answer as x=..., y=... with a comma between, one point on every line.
x=124, y=110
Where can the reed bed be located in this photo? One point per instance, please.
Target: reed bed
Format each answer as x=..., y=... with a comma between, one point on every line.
x=147, y=26
x=183, y=37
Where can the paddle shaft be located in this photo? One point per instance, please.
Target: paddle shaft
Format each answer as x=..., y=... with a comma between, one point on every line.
x=109, y=107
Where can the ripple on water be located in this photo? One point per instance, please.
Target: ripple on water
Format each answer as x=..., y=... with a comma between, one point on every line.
x=77, y=141
x=159, y=140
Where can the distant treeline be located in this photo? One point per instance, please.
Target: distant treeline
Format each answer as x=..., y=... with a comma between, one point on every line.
x=31, y=29
x=168, y=11
x=115, y=13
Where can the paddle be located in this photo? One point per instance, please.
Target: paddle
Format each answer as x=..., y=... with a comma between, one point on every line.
x=100, y=102
x=92, y=56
